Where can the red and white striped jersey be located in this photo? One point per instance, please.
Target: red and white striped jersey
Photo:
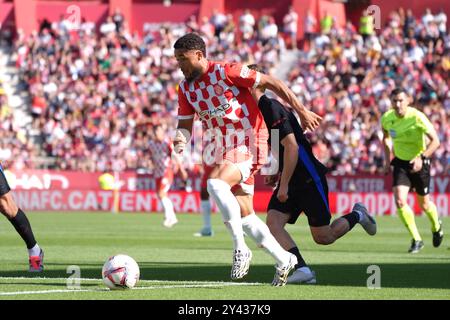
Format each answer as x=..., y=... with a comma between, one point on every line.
x=161, y=153
x=222, y=100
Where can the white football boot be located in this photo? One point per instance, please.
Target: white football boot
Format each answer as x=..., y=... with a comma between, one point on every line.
x=282, y=272
x=302, y=276
x=241, y=263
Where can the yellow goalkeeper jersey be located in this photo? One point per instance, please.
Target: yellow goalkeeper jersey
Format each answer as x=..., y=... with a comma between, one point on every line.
x=407, y=133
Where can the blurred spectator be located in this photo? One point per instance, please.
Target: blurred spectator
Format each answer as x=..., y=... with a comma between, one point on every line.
x=219, y=21
x=290, y=22
x=310, y=27
x=247, y=25
x=326, y=23
x=366, y=25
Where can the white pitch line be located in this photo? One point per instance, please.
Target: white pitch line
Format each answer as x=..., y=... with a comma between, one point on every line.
x=140, y=280
x=200, y=285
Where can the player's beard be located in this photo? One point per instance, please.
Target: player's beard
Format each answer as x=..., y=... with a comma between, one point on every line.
x=195, y=74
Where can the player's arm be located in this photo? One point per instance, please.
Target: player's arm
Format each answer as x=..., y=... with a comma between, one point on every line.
x=309, y=119
x=290, y=159
x=179, y=163
x=185, y=121
x=432, y=145
x=387, y=142
x=242, y=76
x=182, y=134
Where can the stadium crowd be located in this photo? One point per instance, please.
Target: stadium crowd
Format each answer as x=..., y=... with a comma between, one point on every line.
x=97, y=90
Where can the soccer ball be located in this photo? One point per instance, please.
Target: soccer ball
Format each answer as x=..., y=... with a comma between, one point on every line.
x=120, y=272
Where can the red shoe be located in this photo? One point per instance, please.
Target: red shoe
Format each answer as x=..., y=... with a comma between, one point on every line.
x=37, y=262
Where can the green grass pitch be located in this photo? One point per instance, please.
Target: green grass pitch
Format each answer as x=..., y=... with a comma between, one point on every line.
x=177, y=266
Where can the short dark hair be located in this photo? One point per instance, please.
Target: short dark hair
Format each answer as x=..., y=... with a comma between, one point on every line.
x=255, y=67
x=191, y=41
x=397, y=91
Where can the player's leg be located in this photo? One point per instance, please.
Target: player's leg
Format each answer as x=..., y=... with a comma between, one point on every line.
x=316, y=207
x=219, y=183
x=162, y=188
x=401, y=185
x=22, y=225
x=205, y=205
x=259, y=232
x=421, y=183
x=276, y=221
x=406, y=215
x=431, y=211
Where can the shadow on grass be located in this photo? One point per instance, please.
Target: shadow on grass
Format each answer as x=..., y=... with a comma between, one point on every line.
x=417, y=275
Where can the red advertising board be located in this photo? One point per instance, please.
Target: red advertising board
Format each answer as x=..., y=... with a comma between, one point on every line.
x=131, y=181
x=37, y=190
x=146, y=201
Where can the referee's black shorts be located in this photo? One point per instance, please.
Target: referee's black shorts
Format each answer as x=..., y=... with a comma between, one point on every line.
x=311, y=197
x=419, y=181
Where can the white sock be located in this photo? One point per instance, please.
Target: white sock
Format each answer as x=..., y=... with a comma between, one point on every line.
x=34, y=251
x=220, y=191
x=168, y=208
x=206, y=212
x=256, y=229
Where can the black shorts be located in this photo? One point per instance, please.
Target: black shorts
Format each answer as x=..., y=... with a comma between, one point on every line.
x=419, y=181
x=4, y=186
x=311, y=198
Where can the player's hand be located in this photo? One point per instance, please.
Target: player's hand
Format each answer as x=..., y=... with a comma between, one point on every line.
x=416, y=164
x=271, y=180
x=283, y=193
x=310, y=121
x=387, y=169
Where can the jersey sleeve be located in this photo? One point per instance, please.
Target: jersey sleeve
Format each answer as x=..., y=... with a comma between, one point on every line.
x=285, y=127
x=424, y=123
x=241, y=76
x=185, y=109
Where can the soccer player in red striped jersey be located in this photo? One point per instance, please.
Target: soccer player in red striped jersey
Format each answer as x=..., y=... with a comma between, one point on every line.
x=161, y=154
x=219, y=93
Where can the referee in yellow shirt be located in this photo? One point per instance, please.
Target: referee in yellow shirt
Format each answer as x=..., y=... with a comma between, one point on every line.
x=408, y=129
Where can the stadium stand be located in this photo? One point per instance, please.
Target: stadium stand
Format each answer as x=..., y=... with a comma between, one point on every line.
x=96, y=92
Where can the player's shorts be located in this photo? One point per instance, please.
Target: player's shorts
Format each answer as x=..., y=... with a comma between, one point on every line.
x=163, y=183
x=419, y=181
x=4, y=186
x=248, y=160
x=311, y=198
x=247, y=186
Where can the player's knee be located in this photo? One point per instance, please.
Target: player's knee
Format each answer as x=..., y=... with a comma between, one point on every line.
x=400, y=203
x=8, y=207
x=425, y=206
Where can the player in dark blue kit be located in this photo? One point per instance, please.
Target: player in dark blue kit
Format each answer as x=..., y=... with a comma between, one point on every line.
x=302, y=187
